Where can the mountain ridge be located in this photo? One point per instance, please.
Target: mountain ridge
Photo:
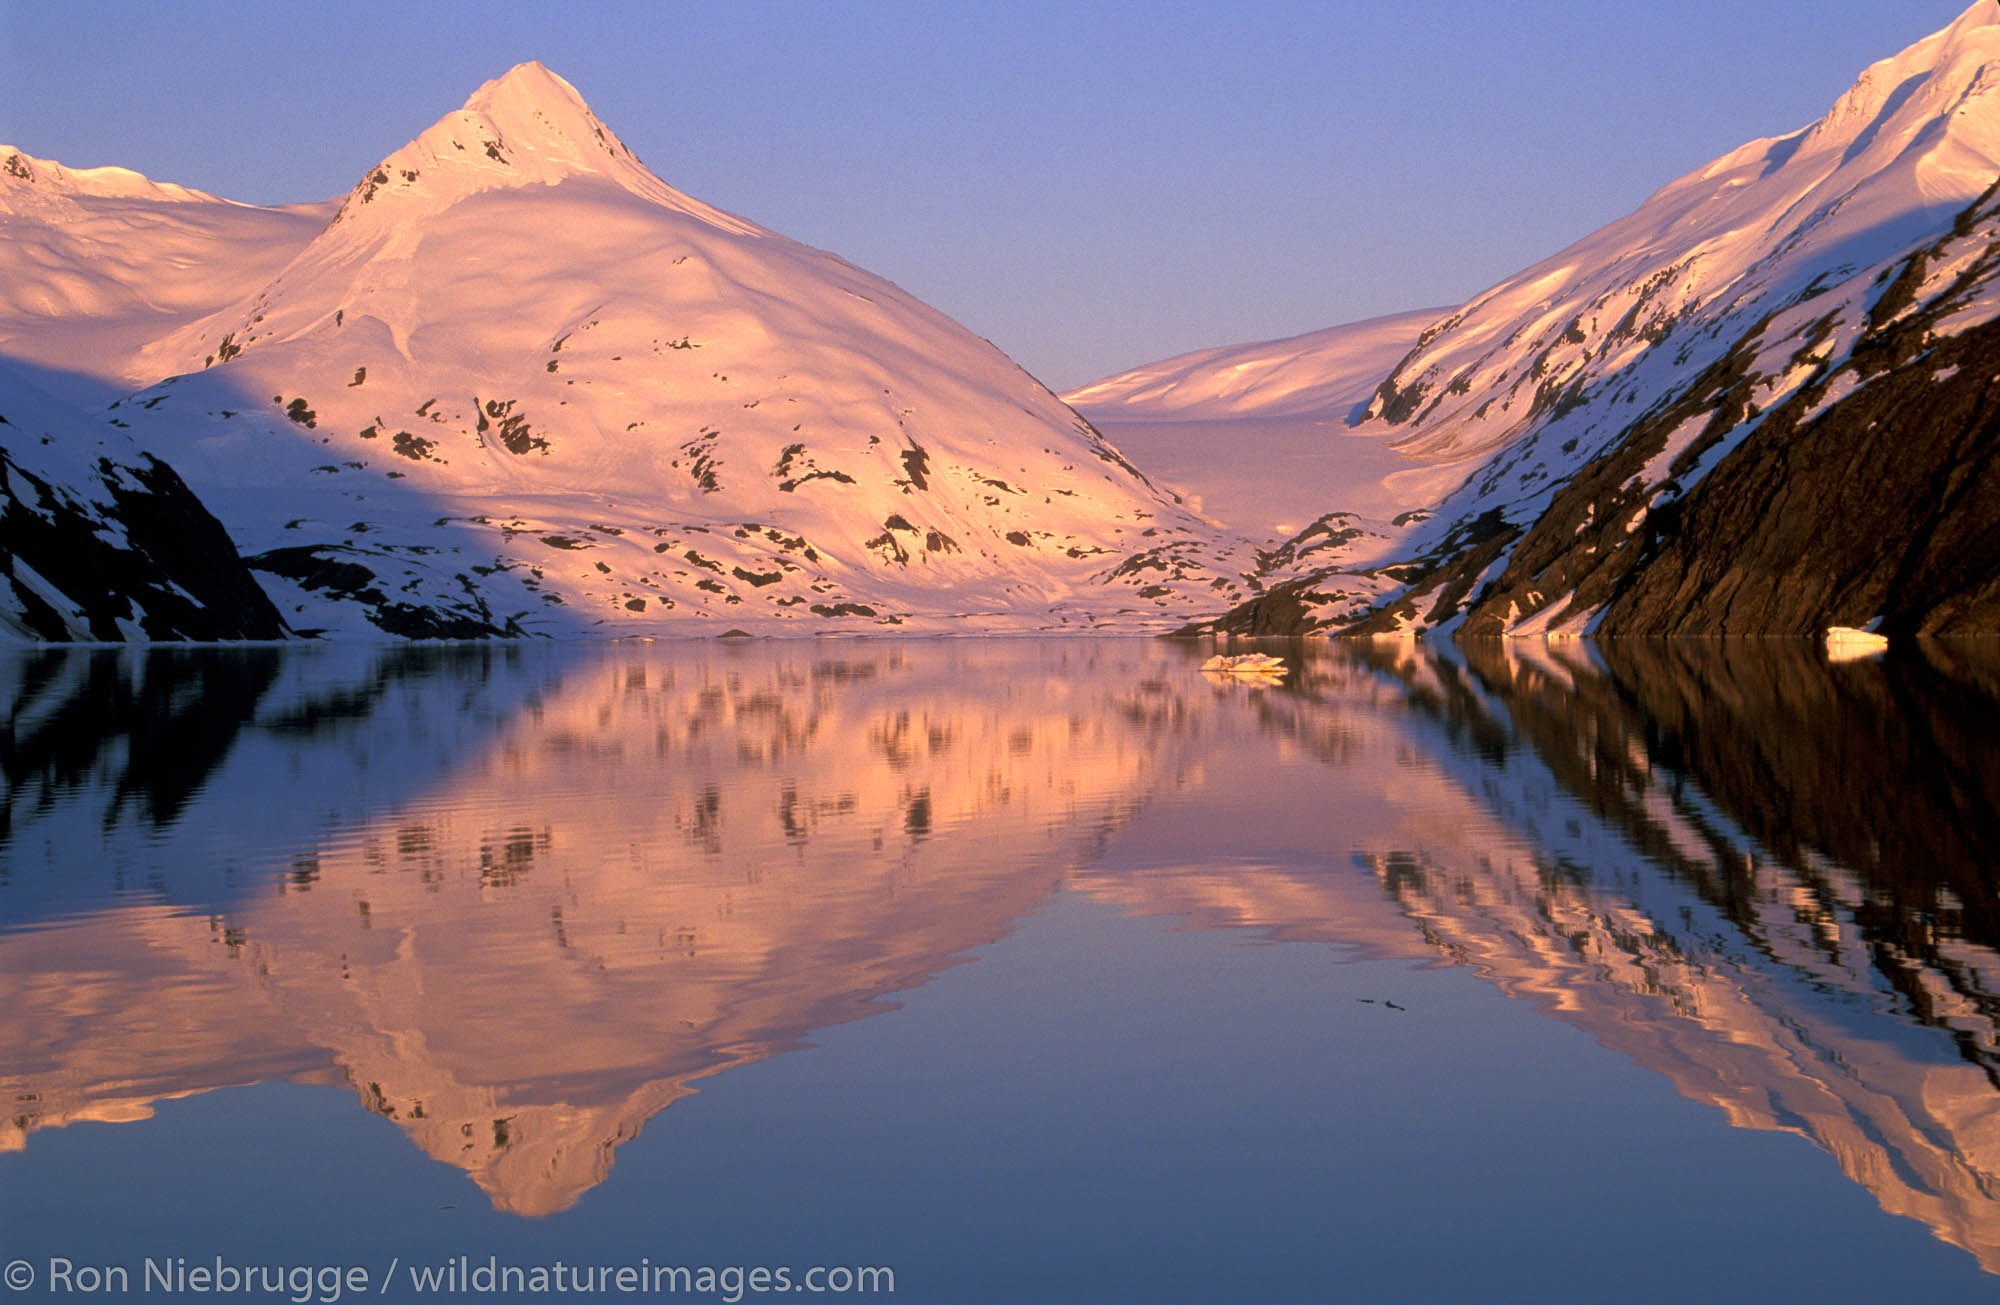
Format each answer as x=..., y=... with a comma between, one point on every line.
x=1755, y=276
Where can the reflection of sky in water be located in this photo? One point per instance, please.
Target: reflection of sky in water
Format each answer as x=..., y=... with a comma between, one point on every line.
x=517, y=901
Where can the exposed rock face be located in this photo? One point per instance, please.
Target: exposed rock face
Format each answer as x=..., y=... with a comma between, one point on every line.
x=102, y=542
x=1870, y=494
x=1884, y=506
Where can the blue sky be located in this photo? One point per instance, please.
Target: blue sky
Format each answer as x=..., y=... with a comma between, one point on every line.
x=1090, y=186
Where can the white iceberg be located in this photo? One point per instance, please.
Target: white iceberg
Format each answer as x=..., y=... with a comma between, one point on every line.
x=1251, y=665
x=1846, y=642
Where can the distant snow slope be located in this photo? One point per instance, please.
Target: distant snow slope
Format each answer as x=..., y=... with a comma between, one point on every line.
x=1320, y=374
x=1584, y=380
x=97, y=262
x=1258, y=435
x=518, y=384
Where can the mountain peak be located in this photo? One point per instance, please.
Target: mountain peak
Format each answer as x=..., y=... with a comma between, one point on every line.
x=1948, y=56
x=1983, y=13
x=535, y=111
x=526, y=127
x=529, y=83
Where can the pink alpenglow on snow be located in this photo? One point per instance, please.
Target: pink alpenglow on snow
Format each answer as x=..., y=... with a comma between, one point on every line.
x=515, y=383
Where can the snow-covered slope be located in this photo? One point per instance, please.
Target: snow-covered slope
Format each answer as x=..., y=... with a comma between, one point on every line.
x=100, y=541
x=518, y=384
x=1261, y=437
x=1597, y=369
x=1319, y=374
x=1913, y=141
x=95, y=263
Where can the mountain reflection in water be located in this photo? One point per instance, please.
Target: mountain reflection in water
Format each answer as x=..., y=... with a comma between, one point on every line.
x=519, y=899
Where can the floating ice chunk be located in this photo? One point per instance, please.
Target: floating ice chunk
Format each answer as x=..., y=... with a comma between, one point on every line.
x=1254, y=667
x=1846, y=643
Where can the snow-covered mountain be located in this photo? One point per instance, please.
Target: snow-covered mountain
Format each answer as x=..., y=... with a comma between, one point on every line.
x=518, y=384
x=1753, y=309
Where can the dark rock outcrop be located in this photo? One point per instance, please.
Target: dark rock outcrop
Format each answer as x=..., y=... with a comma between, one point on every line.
x=102, y=542
x=1887, y=505
x=1832, y=511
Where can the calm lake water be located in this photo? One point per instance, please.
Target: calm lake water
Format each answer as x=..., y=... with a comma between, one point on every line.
x=1024, y=970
